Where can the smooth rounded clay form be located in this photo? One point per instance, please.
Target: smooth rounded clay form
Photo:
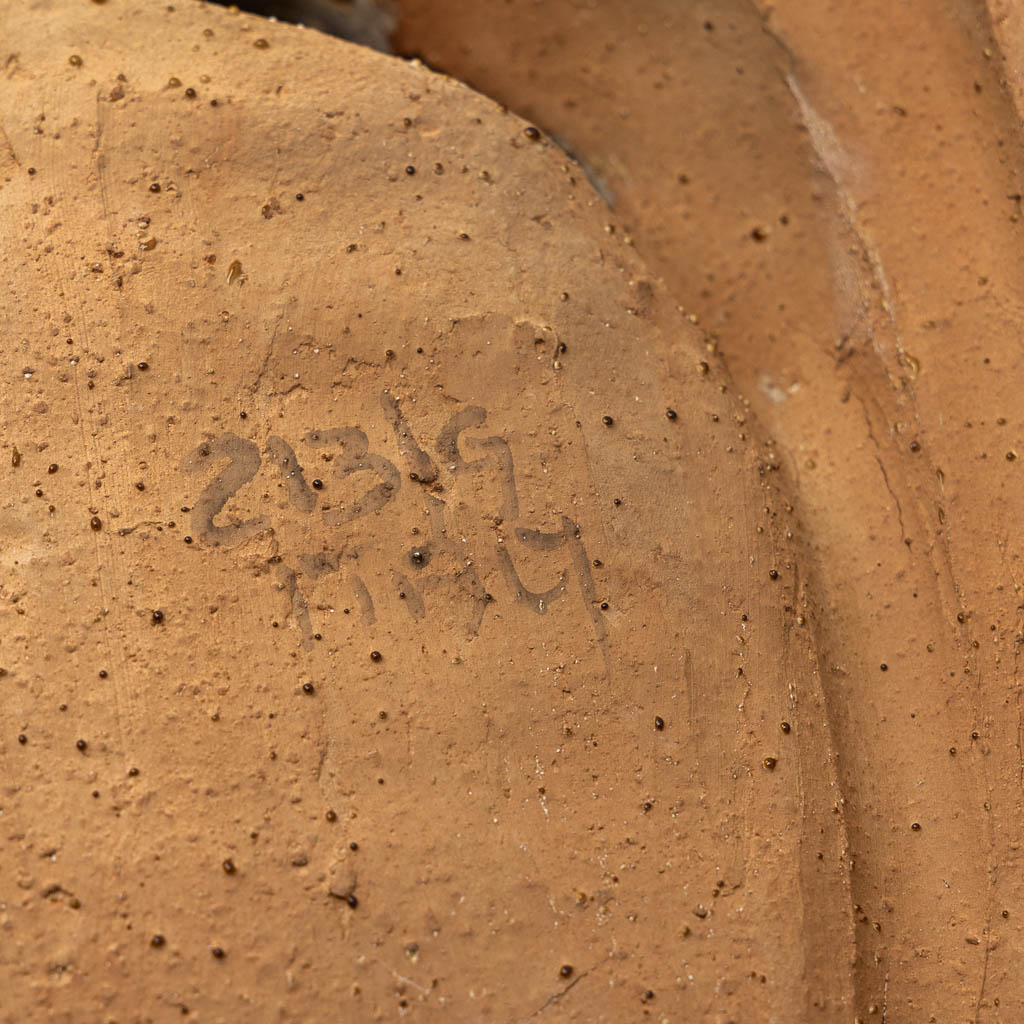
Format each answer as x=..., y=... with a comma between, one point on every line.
x=531, y=661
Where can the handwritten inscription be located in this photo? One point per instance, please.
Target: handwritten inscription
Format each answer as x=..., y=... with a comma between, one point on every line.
x=379, y=483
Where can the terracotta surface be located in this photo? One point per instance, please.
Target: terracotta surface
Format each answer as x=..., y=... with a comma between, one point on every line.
x=307, y=354
x=833, y=191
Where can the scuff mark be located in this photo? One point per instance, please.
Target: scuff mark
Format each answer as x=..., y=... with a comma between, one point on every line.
x=837, y=164
x=554, y=999
x=885, y=475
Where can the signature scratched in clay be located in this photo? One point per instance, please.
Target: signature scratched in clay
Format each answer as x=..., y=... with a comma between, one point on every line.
x=434, y=566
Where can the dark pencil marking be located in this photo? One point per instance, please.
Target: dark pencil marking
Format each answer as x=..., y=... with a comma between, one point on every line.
x=244, y=465
x=421, y=466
